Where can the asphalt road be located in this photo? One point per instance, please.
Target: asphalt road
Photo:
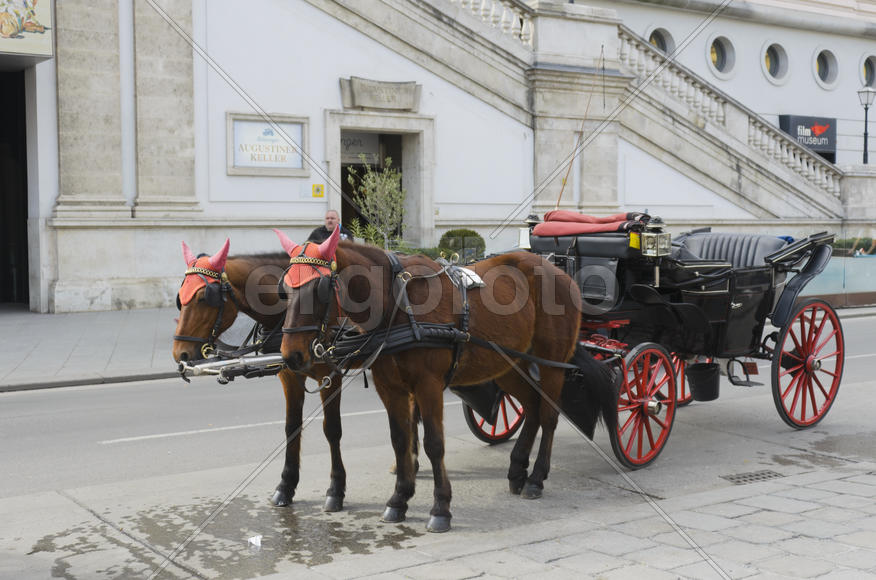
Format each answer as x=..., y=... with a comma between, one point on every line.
x=166, y=445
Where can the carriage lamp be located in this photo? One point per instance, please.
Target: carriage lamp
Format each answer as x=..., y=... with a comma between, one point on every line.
x=866, y=96
x=656, y=244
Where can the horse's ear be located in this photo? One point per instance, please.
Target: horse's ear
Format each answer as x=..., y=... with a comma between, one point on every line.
x=328, y=247
x=288, y=245
x=217, y=260
x=188, y=256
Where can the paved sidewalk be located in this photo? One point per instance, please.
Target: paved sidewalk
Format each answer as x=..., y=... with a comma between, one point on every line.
x=55, y=350
x=40, y=351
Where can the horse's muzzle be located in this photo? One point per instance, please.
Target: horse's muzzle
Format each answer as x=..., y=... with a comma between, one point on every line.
x=294, y=361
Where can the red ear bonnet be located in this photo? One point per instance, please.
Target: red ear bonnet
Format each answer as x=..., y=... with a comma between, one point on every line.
x=202, y=271
x=300, y=273
x=328, y=247
x=289, y=246
x=218, y=259
x=188, y=256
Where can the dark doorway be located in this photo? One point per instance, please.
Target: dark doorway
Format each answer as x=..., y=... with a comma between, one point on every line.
x=389, y=145
x=13, y=190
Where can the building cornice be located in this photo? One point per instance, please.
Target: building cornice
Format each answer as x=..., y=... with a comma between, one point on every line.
x=804, y=16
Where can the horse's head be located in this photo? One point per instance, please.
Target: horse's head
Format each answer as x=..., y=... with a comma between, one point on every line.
x=309, y=286
x=205, y=310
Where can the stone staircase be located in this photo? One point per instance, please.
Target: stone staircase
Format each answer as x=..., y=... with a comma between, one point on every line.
x=506, y=52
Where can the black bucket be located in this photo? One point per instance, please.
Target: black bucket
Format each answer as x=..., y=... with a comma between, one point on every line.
x=703, y=380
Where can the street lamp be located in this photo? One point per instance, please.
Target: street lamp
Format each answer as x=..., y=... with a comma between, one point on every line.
x=866, y=96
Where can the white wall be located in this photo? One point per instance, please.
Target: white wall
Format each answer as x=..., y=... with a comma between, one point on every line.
x=288, y=57
x=800, y=94
x=646, y=183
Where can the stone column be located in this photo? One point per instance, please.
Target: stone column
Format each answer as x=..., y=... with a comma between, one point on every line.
x=569, y=42
x=165, y=111
x=89, y=121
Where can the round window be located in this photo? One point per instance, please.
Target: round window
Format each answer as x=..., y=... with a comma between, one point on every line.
x=721, y=56
x=826, y=68
x=662, y=40
x=775, y=63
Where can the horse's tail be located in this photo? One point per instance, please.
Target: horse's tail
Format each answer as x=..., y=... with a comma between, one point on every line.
x=588, y=391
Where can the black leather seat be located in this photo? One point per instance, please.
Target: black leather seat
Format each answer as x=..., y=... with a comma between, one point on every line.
x=741, y=250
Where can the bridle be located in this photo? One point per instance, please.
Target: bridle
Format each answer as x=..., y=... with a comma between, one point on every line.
x=215, y=295
x=327, y=285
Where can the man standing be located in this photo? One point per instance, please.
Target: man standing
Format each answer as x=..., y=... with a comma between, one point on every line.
x=322, y=232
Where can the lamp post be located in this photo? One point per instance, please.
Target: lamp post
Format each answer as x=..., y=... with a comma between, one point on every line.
x=866, y=96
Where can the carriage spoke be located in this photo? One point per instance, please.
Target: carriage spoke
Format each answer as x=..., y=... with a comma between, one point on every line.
x=794, y=379
x=650, y=434
x=505, y=415
x=660, y=422
x=631, y=418
x=817, y=334
x=797, y=346
x=834, y=375
x=634, y=417
x=821, y=387
x=791, y=370
x=799, y=387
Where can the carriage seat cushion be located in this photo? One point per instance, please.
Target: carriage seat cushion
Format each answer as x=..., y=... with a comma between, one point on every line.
x=741, y=250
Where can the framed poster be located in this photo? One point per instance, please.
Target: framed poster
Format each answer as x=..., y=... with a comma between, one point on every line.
x=259, y=147
x=26, y=28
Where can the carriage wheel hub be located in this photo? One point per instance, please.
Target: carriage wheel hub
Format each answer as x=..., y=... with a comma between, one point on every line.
x=812, y=363
x=653, y=407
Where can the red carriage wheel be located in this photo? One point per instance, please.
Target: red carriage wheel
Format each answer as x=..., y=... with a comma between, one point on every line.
x=645, y=406
x=684, y=395
x=508, y=421
x=808, y=364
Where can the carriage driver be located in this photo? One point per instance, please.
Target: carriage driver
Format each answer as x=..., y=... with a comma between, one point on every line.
x=324, y=231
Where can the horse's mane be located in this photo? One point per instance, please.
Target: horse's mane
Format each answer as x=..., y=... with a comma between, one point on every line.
x=377, y=254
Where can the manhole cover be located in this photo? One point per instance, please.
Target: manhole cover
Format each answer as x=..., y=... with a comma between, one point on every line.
x=751, y=477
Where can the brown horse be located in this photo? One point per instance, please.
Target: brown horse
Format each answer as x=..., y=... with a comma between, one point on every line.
x=214, y=290
x=527, y=310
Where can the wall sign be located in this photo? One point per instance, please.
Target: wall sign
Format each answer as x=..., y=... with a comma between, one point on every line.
x=26, y=28
x=354, y=144
x=257, y=147
x=359, y=93
x=815, y=133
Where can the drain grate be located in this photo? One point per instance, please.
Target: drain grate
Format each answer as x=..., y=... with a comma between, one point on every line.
x=751, y=477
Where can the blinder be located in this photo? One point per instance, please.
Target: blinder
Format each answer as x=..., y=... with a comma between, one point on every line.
x=281, y=290
x=324, y=289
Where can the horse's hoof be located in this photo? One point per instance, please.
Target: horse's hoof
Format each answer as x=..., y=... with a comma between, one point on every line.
x=531, y=491
x=393, y=515
x=438, y=524
x=333, y=503
x=515, y=487
x=281, y=498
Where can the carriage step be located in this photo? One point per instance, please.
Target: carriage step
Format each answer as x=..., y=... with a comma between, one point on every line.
x=743, y=383
x=748, y=368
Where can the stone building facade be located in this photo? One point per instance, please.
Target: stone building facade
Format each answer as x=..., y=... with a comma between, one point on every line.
x=136, y=124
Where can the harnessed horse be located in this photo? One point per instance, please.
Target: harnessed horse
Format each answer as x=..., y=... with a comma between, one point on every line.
x=212, y=294
x=351, y=304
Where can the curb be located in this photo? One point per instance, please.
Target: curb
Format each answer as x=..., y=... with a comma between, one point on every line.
x=844, y=313
x=54, y=384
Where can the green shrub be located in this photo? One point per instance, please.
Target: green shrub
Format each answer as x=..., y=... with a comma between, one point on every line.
x=467, y=243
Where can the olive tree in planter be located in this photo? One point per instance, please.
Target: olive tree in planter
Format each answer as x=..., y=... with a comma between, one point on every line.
x=381, y=201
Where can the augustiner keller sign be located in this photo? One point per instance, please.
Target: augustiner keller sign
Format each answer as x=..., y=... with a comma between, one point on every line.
x=816, y=133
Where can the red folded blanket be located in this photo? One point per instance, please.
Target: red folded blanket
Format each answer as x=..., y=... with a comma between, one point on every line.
x=564, y=215
x=558, y=228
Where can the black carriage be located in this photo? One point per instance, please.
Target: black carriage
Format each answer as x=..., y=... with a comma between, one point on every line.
x=663, y=312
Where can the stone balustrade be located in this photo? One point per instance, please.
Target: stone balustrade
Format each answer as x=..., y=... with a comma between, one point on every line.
x=512, y=17
x=776, y=144
x=642, y=59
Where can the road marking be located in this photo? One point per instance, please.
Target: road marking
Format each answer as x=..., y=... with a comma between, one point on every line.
x=244, y=426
